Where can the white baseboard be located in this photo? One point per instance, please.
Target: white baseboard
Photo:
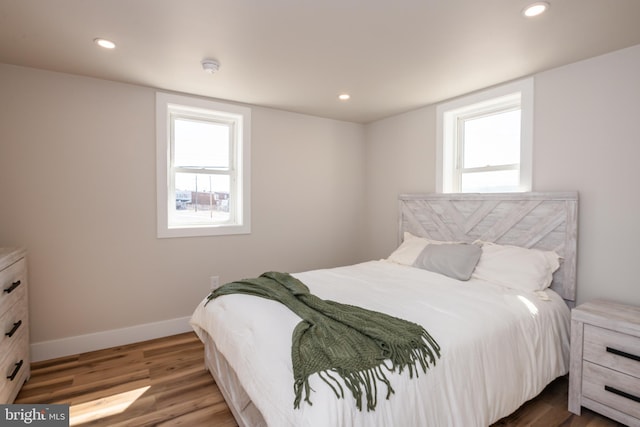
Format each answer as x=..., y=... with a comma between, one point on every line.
x=97, y=341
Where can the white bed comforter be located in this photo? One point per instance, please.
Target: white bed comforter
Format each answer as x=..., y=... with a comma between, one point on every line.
x=500, y=347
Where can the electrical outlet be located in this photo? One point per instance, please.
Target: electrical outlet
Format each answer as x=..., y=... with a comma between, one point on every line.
x=215, y=282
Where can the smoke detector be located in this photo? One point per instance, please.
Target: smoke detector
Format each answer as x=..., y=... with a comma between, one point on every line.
x=210, y=65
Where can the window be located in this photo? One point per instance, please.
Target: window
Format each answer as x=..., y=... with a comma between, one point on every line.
x=202, y=167
x=485, y=141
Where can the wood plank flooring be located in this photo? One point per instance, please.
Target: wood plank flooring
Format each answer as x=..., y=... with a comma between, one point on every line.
x=163, y=382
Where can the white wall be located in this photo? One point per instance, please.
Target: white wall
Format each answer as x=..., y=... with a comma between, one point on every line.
x=586, y=127
x=77, y=184
x=400, y=159
x=587, y=137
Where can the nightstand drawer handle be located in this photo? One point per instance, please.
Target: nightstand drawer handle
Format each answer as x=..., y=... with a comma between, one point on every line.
x=622, y=393
x=15, y=370
x=12, y=287
x=14, y=329
x=623, y=354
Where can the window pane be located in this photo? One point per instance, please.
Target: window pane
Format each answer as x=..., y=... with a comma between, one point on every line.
x=201, y=144
x=492, y=140
x=491, y=182
x=201, y=199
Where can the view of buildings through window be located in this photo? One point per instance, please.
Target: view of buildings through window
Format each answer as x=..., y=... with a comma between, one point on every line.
x=203, y=166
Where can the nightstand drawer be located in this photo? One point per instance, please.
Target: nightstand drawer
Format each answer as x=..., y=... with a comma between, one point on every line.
x=12, y=284
x=615, y=350
x=14, y=369
x=614, y=389
x=14, y=325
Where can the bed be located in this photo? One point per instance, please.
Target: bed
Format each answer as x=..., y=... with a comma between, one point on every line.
x=501, y=343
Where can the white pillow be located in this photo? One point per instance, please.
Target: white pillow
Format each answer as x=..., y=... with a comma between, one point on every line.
x=409, y=249
x=516, y=267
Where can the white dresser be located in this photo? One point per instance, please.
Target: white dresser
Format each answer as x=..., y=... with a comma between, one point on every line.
x=605, y=360
x=14, y=323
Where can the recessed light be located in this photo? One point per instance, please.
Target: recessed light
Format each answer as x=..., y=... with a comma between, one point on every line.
x=344, y=97
x=535, y=9
x=107, y=44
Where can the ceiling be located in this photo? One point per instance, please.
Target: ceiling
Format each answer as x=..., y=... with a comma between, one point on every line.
x=299, y=55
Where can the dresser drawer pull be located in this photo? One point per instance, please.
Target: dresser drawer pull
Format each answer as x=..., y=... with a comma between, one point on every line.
x=14, y=329
x=623, y=354
x=622, y=393
x=15, y=370
x=12, y=287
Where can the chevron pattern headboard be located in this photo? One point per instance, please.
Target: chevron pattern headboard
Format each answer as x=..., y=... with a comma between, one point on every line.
x=547, y=221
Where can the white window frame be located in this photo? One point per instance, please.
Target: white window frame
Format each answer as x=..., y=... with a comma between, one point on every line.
x=497, y=99
x=239, y=119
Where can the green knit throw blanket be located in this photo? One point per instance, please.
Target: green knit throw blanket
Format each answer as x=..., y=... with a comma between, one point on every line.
x=358, y=345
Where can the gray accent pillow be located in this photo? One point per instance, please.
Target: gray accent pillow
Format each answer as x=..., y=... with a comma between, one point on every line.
x=455, y=260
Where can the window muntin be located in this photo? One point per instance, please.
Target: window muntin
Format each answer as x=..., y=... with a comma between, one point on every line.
x=203, y=156
x=485, y=141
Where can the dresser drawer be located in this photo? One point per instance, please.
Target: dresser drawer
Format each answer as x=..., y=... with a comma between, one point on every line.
x=13, y=284
x=14, y=325
x=614, y=389
x=14, y=369
x=615, y=350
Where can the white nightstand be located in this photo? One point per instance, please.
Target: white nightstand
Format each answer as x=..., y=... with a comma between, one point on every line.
x=605, y=360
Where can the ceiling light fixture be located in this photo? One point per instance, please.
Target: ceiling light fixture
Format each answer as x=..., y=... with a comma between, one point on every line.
x=344, y=97
x=107, y=44
x=210, y=65
x=535, y=9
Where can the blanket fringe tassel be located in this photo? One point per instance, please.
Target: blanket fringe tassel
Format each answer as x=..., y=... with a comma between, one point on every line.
x=365, y=382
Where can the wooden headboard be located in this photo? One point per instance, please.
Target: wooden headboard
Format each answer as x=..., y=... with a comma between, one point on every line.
x=546, y=221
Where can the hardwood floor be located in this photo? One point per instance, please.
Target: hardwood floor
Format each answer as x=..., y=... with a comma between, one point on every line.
x=160, y=382
x=163, y=382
